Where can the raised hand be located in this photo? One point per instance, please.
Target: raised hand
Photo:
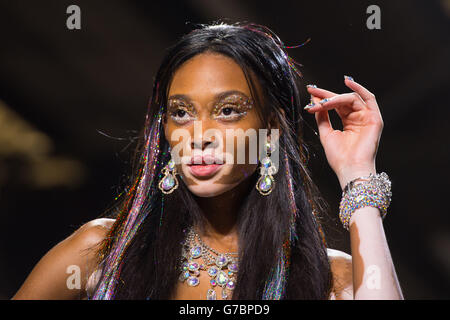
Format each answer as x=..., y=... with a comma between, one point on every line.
x=351, y=152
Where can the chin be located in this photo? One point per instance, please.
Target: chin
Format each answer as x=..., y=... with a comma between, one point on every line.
x=207, y=189
x=214, y=186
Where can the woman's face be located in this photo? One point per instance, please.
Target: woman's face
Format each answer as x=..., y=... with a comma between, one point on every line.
x=208, y=98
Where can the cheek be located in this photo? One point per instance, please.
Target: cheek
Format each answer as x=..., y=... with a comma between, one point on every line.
x=243, y=148
x=179, y=140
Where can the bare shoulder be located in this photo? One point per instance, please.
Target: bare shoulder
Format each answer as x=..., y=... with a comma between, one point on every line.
x=341, y=269
x=63, y=271
x=92, y=232
x=86, y=240
x=337, y=255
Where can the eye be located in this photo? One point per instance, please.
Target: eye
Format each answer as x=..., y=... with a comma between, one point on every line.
x=180, y=113
x=227, y=111
x=181, y=116
x=230, y=112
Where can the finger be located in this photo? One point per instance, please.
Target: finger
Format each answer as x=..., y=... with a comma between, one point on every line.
x=365, y=94
x=316, y=107
x=347, y=101
x=323, y=123
x=318, y=92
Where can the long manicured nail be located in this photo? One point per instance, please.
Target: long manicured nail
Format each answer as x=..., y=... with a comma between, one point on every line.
x=311, y=86
x=324, y=100
x=309, y=105
x=348, y=78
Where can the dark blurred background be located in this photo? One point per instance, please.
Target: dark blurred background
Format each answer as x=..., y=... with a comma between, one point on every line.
x=63, y=92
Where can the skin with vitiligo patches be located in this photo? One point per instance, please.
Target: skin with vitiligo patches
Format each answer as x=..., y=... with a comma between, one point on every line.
x=212, y=89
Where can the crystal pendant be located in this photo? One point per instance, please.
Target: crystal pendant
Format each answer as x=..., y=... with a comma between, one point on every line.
x=222, y=278
x=196, y=252
x=211, y=295
x=171, y=165
x=224, y=293
x=233, y=267
x=193, y=266
x=230, y=285
x=212, y=271
x=193, y=281
x=221, y=261
x=168, y=182
x=266, y=162
x=265, y=184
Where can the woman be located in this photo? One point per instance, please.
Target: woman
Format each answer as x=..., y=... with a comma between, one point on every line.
x=200, y=220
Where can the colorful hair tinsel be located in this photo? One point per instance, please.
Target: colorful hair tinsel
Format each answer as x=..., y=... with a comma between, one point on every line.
x=112, y=264
x=292, y=63
x=276, y=285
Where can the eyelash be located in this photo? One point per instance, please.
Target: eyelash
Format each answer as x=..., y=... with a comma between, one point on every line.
x=239, y=114
x=178, y=119
x=232, y=117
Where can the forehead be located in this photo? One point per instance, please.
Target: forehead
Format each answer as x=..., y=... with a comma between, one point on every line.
x=207, y=75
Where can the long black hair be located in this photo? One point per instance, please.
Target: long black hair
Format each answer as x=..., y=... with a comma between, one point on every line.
x=282, y=250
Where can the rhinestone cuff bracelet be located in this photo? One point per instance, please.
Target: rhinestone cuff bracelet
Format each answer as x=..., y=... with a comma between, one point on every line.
x=374, y=191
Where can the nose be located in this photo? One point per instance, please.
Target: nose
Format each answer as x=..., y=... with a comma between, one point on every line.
x=200, y=140
x=201, y=144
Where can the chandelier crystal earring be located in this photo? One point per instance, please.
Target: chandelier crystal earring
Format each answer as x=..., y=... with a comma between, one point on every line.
x=266, y=182
x=169, y=182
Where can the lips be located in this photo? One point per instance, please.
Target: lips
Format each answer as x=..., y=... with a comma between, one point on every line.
x=205, y=160
x=204, y=166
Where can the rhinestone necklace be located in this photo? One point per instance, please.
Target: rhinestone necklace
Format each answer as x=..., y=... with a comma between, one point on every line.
x=221, y=267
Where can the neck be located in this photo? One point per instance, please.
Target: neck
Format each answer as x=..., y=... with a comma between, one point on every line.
x=221, y=215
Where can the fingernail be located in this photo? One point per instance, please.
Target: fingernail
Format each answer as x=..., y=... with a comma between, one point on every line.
x=309, y=105
x=348, y=78
x=311, y=86
x=324, y=100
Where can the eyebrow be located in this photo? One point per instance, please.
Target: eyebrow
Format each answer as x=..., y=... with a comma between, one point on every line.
x=218, y=97
x=180, y=96
x=225, y=94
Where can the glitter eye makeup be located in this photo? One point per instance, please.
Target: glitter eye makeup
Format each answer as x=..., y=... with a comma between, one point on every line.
x=180, y=111
x=233, y=107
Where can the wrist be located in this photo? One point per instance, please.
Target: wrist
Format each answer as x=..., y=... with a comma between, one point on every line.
x=365, y=216
x=350, y=174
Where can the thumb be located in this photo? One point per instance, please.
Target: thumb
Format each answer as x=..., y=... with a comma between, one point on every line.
x=323, y=123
